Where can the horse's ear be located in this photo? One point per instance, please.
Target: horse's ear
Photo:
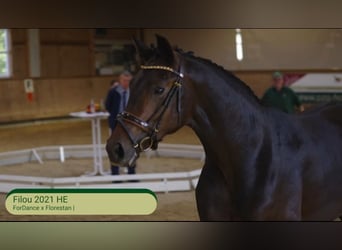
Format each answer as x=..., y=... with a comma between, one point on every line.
x=165, y=50
x=144, y=52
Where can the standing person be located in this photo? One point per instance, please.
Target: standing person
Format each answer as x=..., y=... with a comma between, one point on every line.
x=115, y=103
x=280, y=96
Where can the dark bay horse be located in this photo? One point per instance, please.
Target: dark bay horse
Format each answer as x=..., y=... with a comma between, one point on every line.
x=261, y=164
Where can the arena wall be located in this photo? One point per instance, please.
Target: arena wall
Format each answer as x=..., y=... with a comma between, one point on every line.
x=68, y=76
x=68, y=79
x=53, y=97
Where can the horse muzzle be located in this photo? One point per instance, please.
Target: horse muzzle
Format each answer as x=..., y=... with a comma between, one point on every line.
x=119, y=156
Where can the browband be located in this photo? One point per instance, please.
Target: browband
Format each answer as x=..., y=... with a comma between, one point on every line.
x=162, y=68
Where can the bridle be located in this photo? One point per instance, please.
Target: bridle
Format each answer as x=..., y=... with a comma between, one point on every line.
x=150, y=140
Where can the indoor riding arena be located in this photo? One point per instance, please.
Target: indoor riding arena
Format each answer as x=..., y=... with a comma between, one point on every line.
x=54, y=125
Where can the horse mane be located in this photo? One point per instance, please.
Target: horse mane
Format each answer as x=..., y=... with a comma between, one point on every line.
x=242, y=87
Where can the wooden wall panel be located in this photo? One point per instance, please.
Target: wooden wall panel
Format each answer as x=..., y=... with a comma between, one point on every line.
x=74, y=61
x=56, y=97
x=257, y=81
x=19, y=53
x=123, y=34
x=12, y=104
x=64, y=61
x=49, y=61
x=66, y=53
x=64, y=35
x=52, y=97
x=18, y=35
x=19, y=61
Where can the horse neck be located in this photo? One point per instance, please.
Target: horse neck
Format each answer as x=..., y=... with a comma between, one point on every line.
x=226, y=115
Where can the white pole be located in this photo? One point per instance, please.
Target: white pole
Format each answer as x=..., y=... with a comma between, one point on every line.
x=34, y=52
x=61, y=154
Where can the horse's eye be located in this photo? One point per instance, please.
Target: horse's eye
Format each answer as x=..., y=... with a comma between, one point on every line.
x=158, y=90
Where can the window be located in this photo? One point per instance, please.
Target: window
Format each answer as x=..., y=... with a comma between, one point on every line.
x=5, y=53
x=238, y=43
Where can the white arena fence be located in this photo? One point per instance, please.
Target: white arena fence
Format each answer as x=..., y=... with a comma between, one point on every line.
x=156, y=182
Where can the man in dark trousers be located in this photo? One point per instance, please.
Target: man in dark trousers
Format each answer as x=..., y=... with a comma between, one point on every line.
x=116, y=102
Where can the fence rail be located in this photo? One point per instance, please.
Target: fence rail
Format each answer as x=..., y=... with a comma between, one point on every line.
x=157, y=182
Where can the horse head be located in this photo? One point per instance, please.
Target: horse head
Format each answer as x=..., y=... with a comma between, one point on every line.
x=158, y=103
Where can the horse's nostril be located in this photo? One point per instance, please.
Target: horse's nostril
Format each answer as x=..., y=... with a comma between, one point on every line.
x=118, y=150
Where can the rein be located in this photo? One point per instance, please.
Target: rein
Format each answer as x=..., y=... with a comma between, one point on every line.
x=150, y=140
